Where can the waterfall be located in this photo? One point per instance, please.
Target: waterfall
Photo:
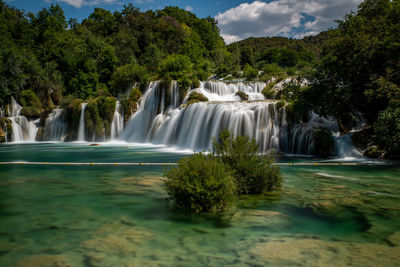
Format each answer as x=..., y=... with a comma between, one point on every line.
x=55, y=127
x=81, y=129
x=174, y=95
x=117, y=124
x=22, y=128
x=219, y=91
x=195, y=125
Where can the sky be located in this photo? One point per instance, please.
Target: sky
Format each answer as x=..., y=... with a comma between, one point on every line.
x=237, y=19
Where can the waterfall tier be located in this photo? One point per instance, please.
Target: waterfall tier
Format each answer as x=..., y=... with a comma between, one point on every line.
x=22, y=128
x=81, y=129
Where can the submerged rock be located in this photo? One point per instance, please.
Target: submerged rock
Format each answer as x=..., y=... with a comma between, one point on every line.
x=394, y=239
x=314, y=252
x=43, y=261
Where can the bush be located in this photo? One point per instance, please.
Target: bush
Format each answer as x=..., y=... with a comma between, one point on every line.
x=272, y=69
x=242, y=95
x=250, y=73
x=254, y=173
x=201, y=183
x=125, y=76
x=31, y=105
x=387, y=131
x=135, y=95
x=195, y=97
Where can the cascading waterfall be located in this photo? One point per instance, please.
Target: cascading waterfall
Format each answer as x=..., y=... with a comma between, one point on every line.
x=22, y=128
x=162, y=119
x=55, y=127
x=219, y=91
x=81, y=129
x=117, y=124
x=194, y=126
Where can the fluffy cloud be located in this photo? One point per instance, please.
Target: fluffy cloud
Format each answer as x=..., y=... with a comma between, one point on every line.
x=80, y=3
x=290, y=18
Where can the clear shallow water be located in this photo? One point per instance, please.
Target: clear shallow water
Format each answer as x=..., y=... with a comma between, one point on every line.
x=118, y=215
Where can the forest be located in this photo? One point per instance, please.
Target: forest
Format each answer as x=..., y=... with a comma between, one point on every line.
x=353, y=70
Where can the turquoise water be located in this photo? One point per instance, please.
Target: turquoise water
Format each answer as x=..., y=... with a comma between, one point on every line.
x=119, y=216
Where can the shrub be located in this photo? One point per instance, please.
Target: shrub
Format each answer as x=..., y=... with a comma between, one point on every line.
x=125, y=76
x=387, y=131
x=135, y=94
x=31, y=105
x=195, y=97
x=201, y=183
x=176, y=66
x=250, y=73
x=254, y=173
x=242, y=95
x=272, y=69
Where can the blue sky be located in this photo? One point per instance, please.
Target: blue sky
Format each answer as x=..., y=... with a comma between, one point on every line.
x=237, y=19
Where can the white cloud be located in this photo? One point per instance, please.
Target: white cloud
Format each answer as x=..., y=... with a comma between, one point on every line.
x=80, y=3
x=290, y=18
x=188, y=8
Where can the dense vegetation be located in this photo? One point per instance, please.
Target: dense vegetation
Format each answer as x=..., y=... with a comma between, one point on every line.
x=107, y=53
x=359, y=74
x=210, y=183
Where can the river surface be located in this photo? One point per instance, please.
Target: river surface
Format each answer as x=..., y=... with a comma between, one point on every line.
x=119, y=215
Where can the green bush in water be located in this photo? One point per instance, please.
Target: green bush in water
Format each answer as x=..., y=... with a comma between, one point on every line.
x=254, y=173
x=201, y=183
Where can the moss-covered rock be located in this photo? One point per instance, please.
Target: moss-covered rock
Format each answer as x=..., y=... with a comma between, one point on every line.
x=195, y=97
x=31, y=105
x=323, y=142
x=93, y=122
x=135, y=95
x=268, y=91
x=374, y=152
x=242, y=95
x=5, y=130
x=73, y=112
x=129, y=107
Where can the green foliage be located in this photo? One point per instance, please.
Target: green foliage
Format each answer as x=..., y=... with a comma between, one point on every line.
x=387, y=131
x=250, y=73
x=201, y=183
x=195, y=97
x=135, y=94
x=126, y=76
x=176, y=66
x=272, y=69
x=31, y=105
x=254, y=173
x=359, y=68
x=242, y=95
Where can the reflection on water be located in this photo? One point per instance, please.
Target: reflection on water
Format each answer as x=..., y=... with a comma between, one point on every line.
x=119, y=216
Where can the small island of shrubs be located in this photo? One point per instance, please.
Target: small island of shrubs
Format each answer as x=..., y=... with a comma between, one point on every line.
x=211, y=182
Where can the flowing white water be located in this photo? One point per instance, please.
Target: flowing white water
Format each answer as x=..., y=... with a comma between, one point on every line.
x=81, y=129
x=117, y=124
x=219, y=91
x=22, y=128
x=194, y=126
x=55, y=127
